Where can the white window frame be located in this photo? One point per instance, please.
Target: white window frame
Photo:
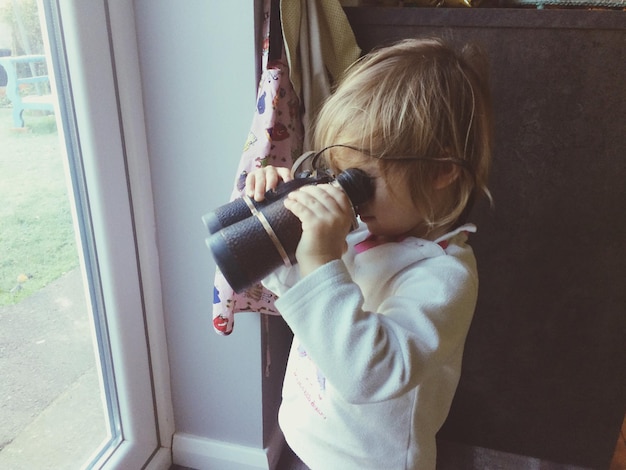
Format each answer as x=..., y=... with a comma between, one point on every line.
x=101, y=56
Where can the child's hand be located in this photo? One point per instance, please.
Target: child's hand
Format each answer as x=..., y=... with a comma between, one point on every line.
x=263, y=179
x=326, y=215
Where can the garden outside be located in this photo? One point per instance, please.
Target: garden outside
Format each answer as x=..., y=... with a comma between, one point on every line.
x=51, y=402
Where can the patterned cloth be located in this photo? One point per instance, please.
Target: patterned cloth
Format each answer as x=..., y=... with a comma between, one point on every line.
x=275, y=138
x=277, y=132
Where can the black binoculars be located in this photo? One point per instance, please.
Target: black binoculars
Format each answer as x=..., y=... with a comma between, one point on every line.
x=251, y=239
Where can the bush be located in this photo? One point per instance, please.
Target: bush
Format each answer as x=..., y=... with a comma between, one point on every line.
x=22, y=17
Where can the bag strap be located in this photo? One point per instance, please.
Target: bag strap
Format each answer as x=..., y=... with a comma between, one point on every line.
x=276, y=32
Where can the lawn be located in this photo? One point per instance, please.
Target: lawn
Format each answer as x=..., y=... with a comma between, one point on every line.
x=37, y=242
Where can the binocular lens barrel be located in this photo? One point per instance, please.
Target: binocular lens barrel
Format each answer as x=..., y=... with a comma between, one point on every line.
x=246, y=253
x=245, y=206
x=249, y=241
x=228, y=214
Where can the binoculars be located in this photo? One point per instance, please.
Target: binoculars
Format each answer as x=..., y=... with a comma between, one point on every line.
x=250, y=239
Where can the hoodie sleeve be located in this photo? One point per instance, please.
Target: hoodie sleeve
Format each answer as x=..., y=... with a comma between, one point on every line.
x=374, y=356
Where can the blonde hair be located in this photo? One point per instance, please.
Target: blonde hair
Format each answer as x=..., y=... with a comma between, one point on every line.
x=417, y=106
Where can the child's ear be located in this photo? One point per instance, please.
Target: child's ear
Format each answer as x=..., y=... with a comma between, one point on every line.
x=448, y=175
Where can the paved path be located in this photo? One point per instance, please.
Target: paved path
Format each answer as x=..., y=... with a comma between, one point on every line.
x=50, y=404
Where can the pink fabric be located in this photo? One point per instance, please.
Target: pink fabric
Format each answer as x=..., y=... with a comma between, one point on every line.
x=370, y=242
x=275, y=138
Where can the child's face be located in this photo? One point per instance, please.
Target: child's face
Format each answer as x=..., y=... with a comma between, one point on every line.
x=387, y=213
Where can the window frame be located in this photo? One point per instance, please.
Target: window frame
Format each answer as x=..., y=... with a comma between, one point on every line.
x=105, y=130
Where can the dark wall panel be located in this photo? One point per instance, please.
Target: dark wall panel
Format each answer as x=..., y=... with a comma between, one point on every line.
x=545, y=362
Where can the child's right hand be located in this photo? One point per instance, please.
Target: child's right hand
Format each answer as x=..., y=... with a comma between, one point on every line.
x=264, y=179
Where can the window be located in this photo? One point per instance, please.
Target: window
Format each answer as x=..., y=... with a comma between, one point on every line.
x=100, y=129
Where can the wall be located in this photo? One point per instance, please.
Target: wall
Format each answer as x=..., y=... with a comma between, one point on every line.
x=198, y=68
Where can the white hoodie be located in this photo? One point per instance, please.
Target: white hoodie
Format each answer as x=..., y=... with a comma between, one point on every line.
x=377, y=350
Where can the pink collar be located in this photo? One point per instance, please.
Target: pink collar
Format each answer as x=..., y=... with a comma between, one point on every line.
x=373, y=240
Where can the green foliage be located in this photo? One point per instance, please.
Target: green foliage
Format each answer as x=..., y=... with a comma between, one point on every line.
x=36, y=231
x=23, y=17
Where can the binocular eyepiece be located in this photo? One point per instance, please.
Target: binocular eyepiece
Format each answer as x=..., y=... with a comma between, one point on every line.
x=250, y=239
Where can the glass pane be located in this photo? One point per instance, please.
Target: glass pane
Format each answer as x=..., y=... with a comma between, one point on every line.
x=57, y=409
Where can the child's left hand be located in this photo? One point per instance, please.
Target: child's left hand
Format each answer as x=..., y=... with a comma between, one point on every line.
x=326, y=215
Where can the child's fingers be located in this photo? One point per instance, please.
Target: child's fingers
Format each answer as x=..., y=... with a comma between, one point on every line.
x=324, y=197
x=264, y=179
x=284, y=173
x=252, y=180
x=322, y=209
x=267, y=182
x=325, y=224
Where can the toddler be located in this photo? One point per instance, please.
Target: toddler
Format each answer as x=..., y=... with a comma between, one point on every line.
x=380, y=314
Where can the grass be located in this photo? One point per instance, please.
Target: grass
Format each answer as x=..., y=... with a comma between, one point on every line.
x=37, y=242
